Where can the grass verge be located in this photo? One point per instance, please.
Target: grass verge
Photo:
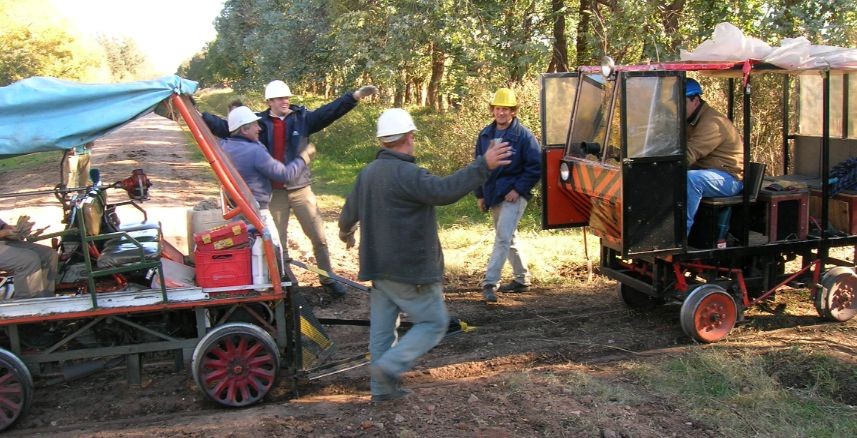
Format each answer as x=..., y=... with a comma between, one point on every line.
x=782, y=393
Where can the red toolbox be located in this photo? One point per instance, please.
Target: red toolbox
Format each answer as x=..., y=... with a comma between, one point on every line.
x=222, y=237
x=225, y=267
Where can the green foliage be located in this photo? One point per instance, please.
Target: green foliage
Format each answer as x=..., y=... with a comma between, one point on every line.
x=36, y=42
x=31, y=161
x=28, y=53
x=124, y=58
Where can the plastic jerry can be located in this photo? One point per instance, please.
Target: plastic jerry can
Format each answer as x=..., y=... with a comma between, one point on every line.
x=258, y=264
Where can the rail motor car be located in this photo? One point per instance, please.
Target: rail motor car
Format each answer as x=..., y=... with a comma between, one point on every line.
x=614, y=161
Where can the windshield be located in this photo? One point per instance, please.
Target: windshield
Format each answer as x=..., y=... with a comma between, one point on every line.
x=653, y=122
x=589, y=120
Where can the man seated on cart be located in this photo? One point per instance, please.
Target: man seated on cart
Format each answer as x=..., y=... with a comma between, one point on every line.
x=715, y=152
x=33, y=266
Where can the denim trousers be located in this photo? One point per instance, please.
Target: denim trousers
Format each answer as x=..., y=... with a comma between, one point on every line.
x=708, y=183
x=302, y=201
x=426, y=310
x=506, y=216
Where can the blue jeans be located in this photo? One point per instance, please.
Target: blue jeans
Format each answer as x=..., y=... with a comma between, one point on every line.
x=708, y=183
x=426, y=310
x=506, y=216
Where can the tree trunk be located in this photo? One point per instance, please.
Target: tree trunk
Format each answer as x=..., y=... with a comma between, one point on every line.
x=559, y=58
x=583, y=29
x=670, y=14
x=438, y=58
x=519, y=66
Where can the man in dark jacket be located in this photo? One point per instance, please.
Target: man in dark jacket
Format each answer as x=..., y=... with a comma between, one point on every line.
x=506, y=192
x=285, y=128
x=393, y=202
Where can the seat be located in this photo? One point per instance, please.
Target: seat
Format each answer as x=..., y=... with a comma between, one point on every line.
x=753, y=178
x=130, y=248
x=712, y=221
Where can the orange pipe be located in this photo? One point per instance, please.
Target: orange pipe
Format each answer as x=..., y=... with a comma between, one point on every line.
x=243, y=205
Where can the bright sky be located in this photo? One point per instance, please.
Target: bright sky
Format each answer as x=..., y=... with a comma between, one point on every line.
x=168, y=32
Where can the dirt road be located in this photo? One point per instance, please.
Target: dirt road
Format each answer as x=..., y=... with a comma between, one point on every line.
x=527, y=369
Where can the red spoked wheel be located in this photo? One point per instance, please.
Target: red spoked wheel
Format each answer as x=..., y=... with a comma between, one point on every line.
x=236, y=364
x=708, y=313
x=16, y=389
x=837, y=298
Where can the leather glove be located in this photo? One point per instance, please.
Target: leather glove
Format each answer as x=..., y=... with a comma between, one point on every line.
x=348, y=238
x=308, y=154
x=365, y=91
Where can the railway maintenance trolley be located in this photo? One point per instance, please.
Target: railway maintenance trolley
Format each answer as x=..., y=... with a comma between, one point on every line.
x=237, y=340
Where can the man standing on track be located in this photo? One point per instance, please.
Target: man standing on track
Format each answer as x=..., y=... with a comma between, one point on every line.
x=506, y=192
x=393, y=202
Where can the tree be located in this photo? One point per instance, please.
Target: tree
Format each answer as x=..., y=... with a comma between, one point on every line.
x=559, y=54
x=124, y=58
x=35, y=46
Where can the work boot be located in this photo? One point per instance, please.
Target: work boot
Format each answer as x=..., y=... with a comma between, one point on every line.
x=390, y=396
x=488, y=293
x=336, y=290
x=390, y=384
x=513, y=287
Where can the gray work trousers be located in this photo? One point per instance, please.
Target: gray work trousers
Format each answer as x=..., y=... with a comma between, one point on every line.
x=302, y=201
x=34, y=267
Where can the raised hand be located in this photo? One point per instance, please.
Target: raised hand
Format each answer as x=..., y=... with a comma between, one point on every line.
x=498, y=155
x=365, y=91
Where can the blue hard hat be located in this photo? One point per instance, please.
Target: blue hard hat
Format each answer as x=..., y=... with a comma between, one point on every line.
x=692, y=88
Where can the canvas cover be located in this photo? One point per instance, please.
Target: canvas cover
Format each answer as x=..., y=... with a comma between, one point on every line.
x=43, y=114
x=728, y=43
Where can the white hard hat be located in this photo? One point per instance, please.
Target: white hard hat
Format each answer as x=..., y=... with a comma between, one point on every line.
x=395, y=121
x=239, y=117
x=277, y=89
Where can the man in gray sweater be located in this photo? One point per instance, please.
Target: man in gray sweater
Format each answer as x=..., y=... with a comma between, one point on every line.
x=393, y=201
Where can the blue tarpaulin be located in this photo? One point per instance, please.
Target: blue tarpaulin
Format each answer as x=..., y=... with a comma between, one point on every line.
x=44, y=114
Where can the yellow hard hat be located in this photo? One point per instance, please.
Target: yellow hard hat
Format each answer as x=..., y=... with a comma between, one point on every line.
x=504, y=97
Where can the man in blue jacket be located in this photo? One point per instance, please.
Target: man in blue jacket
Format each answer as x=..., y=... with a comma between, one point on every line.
x=285, y=129
x=506, y=192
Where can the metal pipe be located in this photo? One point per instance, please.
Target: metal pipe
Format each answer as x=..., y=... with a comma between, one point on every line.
x=221, y=170
x=785, y=121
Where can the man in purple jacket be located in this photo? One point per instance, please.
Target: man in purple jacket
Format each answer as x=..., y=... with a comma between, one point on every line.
x=256, y=165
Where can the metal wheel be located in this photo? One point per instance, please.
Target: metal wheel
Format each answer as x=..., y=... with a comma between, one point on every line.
x=16, y=389
x=708, y=313
x=636, y=299
x=236, y=364
x=837, y=297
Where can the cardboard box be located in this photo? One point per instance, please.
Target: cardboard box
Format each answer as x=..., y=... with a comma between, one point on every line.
x=199, y=221
x=222, y=237
x=176, y=275
x=841, y=210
